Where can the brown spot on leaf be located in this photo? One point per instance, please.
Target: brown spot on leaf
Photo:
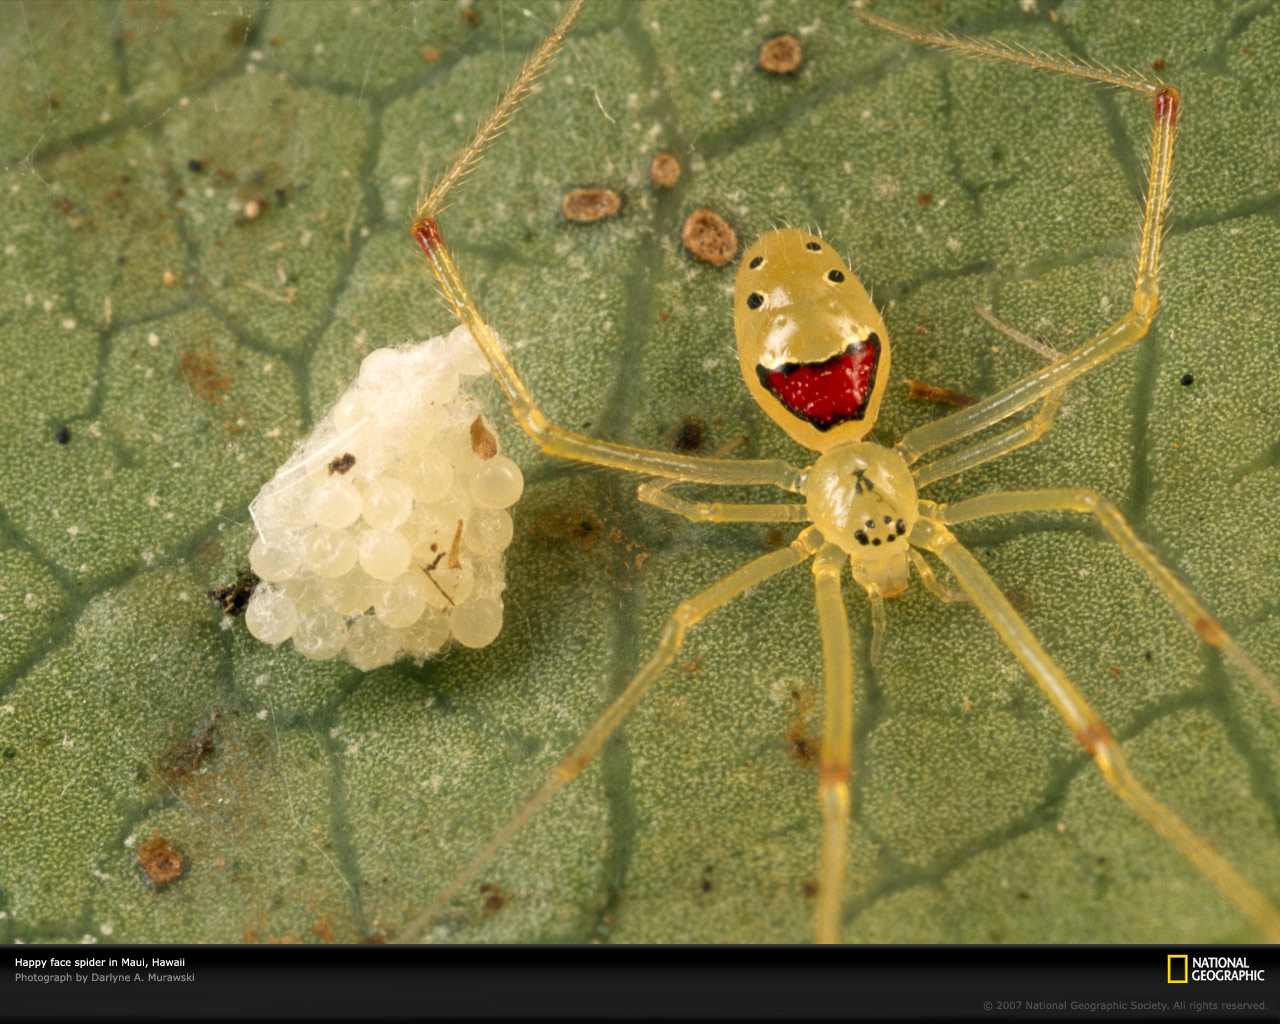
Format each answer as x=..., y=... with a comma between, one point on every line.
x=581, y=529
x=183, y=757
x=709, y=237
x=160, y=859
x=781, y=54
x=585, y=205
x=494, y=900
x=1022, y=601
x=690, y=435
x=207, y=380
x=664, y=169
x=800, y=741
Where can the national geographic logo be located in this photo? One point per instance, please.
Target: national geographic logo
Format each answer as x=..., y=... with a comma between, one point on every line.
x=1182, y=968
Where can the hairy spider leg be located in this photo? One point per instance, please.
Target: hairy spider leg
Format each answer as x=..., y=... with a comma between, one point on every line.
x=1124, y=332
x=931, y=534
x=1045, y=385
x=689, y=613
x=1121, y=334
x=557, y=441
x=1049, y=381
x=552, y=439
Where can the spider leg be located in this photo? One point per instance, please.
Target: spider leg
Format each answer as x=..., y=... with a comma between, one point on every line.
x=1084, y=500
x=719, y=511
x=552, y=439
x=931, y=582
x=837, y=740
x=688, y=614
x=1125, y=331
x=878, y=622
x=1088, y=728
x=1026, y=432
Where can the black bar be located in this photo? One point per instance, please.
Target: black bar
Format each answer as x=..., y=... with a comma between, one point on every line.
x=384, y=983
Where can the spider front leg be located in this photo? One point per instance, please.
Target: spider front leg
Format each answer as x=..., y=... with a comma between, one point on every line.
x=556, y=440
x=552, y=439
x=1125, y=331
x=1088, y=728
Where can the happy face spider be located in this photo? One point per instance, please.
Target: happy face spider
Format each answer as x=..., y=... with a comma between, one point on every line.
x=823, y=385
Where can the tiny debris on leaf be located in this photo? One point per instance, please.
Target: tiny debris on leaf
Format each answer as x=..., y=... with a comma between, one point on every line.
x=709, y=237
x=585, y=205
x=781, y=54
x=160, y=859
x=483, y=443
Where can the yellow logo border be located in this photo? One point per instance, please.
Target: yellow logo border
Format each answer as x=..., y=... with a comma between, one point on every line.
x=1185, y=972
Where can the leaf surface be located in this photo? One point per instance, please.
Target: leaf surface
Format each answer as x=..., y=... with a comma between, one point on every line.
x=204, y=234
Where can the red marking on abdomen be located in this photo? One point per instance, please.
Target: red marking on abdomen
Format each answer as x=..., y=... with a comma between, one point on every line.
x=427, y=235
x=828, y=393
x=1167, y=105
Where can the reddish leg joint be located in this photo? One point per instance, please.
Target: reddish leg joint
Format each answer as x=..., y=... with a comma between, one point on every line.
x=427, y=235
x=1094, y=736
x=570, y=767
x=1167, y=105
x=833, y=772
x=1210, y=632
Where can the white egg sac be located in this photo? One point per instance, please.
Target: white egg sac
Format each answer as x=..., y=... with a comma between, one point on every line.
x=382, y=536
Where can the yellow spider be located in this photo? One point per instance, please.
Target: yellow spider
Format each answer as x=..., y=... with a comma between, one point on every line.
x=815, y=354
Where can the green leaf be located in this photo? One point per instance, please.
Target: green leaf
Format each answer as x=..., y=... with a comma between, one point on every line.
x=204, y=233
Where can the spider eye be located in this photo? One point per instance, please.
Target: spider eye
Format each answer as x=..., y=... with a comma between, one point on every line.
x=755, y=300
x=835, y=275
x=813, y=246
x=756, y=262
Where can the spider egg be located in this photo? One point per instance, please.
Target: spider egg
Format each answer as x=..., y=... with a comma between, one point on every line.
x=382, y=536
